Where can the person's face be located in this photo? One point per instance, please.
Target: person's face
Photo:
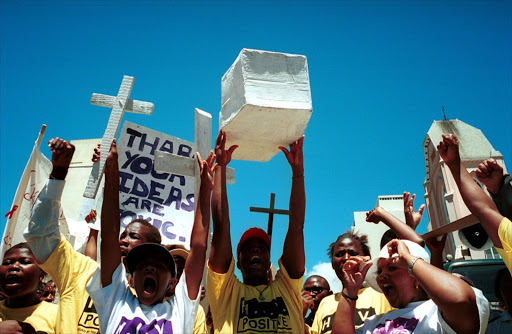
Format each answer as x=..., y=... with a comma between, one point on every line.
x=152, y=279
x=254, y=261
x=134, y=235
x=49, y=292
x=19, y=273
x=180, y=267
x=318, y=288
x=396, y=283
x=343, y=250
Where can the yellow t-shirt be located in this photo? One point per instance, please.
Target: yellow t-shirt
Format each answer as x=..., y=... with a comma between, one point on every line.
x=505, y=234
x=369, y=302
x=200, y=324
x=71, y=271
x=241, y=308
x=42, y=316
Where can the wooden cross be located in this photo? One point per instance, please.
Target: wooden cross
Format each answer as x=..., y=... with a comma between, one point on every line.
x=119, y=105
x=177, y=164
x=271, y=211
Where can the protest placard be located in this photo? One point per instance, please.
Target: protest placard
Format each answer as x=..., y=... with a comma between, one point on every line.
x=165, y=200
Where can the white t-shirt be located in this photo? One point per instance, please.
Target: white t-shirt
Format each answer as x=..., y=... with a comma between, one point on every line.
x=119, y=311
x=420, y=317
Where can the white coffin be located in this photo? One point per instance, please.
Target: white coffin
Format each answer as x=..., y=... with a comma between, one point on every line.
x=266, y=103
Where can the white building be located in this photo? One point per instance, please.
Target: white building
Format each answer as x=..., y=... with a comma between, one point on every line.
x=442, y=197
x=394, y=204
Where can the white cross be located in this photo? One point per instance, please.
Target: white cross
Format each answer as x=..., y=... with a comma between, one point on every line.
x=119, y=105
x=176, y=164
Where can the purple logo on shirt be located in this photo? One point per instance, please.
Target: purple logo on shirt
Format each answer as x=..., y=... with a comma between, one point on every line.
x=137, y=325
x=397, y=326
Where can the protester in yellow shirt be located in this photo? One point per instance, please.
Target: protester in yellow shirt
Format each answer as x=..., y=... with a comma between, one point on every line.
x=256, y=306
x=20, y=277
x=69, y=269
x=498, y=228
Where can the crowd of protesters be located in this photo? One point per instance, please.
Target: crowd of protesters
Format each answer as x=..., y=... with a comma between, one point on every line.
x=141, y=286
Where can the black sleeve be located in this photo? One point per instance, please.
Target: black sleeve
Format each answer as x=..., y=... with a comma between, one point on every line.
x=503, y=199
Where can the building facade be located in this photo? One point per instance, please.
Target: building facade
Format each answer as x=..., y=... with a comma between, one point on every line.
x=394, y=204
x=442, y=197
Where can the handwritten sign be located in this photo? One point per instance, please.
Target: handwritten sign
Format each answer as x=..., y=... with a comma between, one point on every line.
x=165, y=200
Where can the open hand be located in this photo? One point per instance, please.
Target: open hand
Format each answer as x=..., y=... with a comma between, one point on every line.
x=295, y=157
x=207, y=167
x=490, y=173
x=353, y=274
x=412, y=218
x=223, y=156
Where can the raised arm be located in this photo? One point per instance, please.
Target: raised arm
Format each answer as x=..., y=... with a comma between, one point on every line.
x=110, y=218
x=491, y=175
x=499, y=185
x=221, y=252
x=455, y=298
x=475, y=198
x=412, y=218
x=293, y=251
x=436, y=250
x=199, y=238
x=401, y=229
x=43, y=233
x=91, y=248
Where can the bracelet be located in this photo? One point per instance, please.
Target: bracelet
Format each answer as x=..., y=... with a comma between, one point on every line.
x=348, y=297
x=411, y=264
x=297, y=176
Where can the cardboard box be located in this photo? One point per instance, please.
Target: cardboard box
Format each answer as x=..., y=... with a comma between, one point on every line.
x=266, y=103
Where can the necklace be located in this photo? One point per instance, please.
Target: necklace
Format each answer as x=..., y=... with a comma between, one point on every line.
x=261, y=292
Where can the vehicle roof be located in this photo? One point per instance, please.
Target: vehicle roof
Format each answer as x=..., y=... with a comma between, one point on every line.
x=463, y=263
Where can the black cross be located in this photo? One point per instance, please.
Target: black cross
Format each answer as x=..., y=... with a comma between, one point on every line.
x=271, y=211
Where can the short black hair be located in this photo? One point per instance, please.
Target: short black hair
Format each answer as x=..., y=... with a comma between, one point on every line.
x=319, y=277
x=24, y=245
x=21, y=245
x=387, y=237
x=153, y=233
x=175, y=246
x=362, y=240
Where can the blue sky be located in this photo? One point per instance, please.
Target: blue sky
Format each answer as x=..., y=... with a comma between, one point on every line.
x=379, y=73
